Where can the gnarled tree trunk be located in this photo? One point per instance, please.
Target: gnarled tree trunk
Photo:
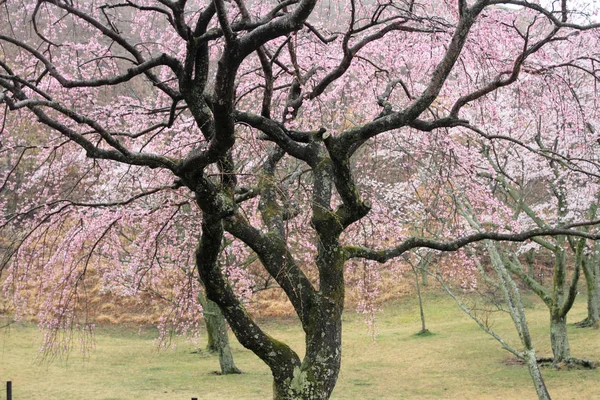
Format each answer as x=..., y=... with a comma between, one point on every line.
x=316, y=377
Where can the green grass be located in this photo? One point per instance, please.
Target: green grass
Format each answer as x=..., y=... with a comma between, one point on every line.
x=457, y=361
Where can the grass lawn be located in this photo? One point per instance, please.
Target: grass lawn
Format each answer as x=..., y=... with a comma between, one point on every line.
x=458, y=361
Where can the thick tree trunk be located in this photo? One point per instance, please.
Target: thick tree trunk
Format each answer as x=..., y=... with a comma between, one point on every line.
x=320, y=311
x=316, y=377
x=558, y=338
x=310, y=382
x=218, y=340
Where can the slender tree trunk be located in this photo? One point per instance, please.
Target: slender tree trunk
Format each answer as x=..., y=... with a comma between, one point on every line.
x=425, y=274
x=536, y=375
x=422, y=313
x=512, y=294
x=502, y=266
x=218, y=340
x=558, y=338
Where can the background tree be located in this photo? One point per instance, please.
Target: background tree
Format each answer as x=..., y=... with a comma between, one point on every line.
x=551, y=185
x=191, y=119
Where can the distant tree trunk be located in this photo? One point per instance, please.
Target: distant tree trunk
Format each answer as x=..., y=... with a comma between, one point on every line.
x=423, y=327
x=218, y=340
x=529, y=260
x=423, y=267
x=563, y=298
x=560, y=298
x=425, y=274
x=591, y=271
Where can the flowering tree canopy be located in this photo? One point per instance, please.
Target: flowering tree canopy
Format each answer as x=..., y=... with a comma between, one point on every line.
x=139, y=136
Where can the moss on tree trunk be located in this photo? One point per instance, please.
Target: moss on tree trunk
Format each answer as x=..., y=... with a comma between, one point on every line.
x=559, y=338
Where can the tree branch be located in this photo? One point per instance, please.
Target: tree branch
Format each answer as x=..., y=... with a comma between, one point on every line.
x=453, y=245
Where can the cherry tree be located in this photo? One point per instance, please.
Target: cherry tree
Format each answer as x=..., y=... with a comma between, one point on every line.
x=518, y=189
x=559, y=298
x=555, y=183
x=161, y=126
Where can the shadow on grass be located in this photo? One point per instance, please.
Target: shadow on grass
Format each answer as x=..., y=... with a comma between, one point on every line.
x=548, y=362
x=424, y=333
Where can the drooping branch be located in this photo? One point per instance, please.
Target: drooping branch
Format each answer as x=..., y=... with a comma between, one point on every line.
x=548, y=14
x=568, y=161
x=143, y=67
x=109, y=33
x=120, y=152
x=349, y=139
x=513, y=74
x=65, y=203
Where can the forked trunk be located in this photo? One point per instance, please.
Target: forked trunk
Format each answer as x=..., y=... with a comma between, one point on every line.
x=559, y=338
x=312, y=382
x=316, y=377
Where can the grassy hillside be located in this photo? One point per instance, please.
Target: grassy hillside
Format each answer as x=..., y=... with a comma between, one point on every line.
x=457, y=362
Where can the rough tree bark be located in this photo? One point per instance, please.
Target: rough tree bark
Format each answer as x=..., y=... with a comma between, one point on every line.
x=559, y=339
